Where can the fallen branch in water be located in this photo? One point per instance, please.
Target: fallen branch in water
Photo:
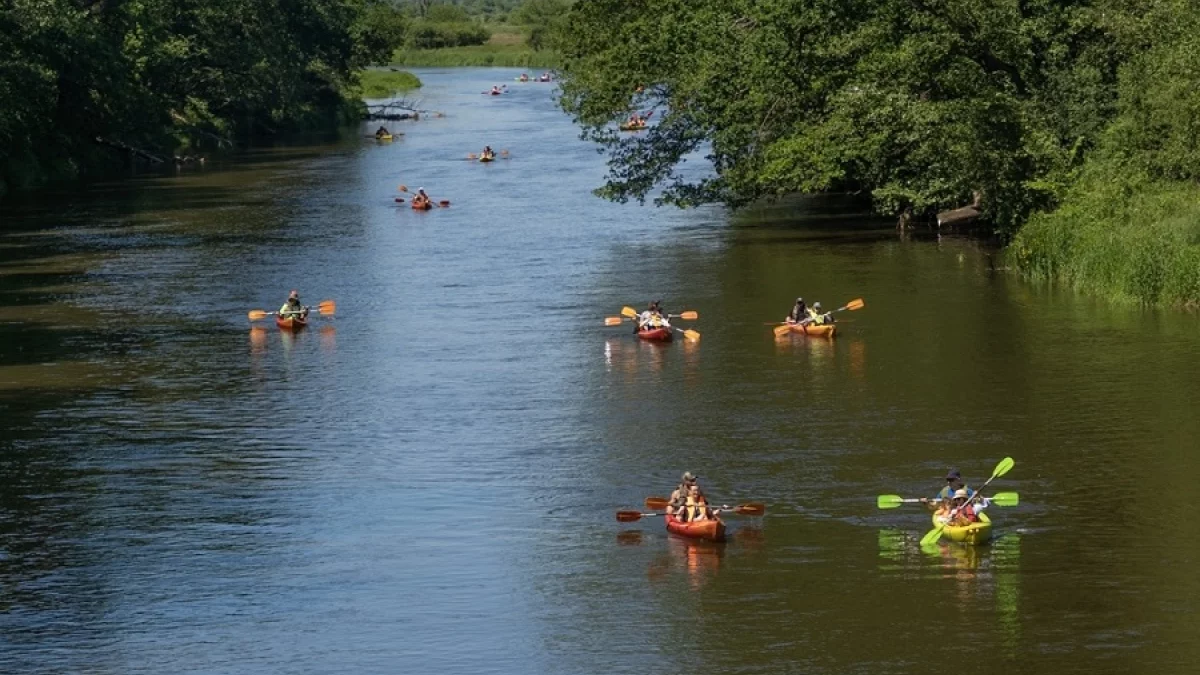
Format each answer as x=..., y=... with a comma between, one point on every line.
x=132, y=151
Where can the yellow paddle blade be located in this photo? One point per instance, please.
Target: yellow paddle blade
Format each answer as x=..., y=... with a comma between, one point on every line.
x=780, y=331
x=402, y=188
x=855, y=304
x=256, y=315
x=691, y=335
x=327, y=307
x=629, y=312
x=751, y=509
x=614, y=320
x=690, y=315
x=656, y=503
x=932, y=536
x=472, y=155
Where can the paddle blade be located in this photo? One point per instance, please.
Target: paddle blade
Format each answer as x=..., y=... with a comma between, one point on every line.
x=472, y=155
x=690, y=315
x=327, y=307
x=855, y=304
x=656, y=503
x=256, y=315
x=629, y=312
x=444, y=203
x=402, y=188
x=692, y=335
x=780, y=331
x=628, y=516
x=751, y=509
x=614, y=320
x=1006, y=499
x=932, y=536
x=889, y=501
x=1003, y=467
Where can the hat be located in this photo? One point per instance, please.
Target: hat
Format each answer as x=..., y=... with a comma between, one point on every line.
x=688, y=477
x=420, y=189
x=294, y=294
x=960, y=493
x=953, y=475
x=817, y=303
x=799, y=299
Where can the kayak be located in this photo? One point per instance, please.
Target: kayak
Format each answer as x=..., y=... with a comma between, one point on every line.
x=656, y=334
x=975, y=533
x=711, y=530
x=383, y=137
x=824, y=330
x=487, y=159
x=496, y=93
x=422, y=207
x=291, y=323
x=631, y=127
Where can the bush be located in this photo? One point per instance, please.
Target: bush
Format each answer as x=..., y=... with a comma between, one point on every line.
x=429, y=35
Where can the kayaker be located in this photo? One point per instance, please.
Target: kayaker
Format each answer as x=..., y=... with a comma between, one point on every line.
x=696, y=508
x=420, y=199
x=964, y=512
x=652, y=318
x=817, y=317
x=524, y=77
x=381, y=132
x=488, y=152
x=292, y=308
x=799, y=312
x=679, y=497
x=496, y=90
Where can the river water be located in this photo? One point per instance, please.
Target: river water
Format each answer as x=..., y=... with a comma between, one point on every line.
x=426, y=483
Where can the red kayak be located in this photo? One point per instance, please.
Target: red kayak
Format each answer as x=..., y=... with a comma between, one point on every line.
x=422, y=207
x=656, y=334
x=291, y=323
x=709, y=530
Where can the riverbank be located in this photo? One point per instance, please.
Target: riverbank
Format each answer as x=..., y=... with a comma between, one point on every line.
x=384, y=83
x=505, y=48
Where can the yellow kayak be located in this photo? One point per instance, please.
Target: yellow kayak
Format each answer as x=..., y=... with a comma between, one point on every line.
x=631, y=127
x=824, y=330
x=975, y=533
x=383, y=137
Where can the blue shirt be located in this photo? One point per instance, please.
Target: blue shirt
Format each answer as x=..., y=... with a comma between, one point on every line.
x=947, y=493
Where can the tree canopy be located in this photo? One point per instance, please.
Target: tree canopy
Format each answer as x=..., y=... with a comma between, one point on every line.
x=921, y=105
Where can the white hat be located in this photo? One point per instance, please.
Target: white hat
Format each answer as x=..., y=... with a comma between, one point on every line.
x=960, y=493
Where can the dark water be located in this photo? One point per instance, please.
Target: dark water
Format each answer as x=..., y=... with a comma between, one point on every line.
x=426, y=483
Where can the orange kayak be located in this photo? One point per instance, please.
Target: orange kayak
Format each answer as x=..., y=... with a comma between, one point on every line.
x=291, y=323
x=655, y=334
x=824, y=330
x=709, y=530
x=422, y=207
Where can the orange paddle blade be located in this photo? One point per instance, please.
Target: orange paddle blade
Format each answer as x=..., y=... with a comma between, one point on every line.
x=504, y=152
x=855, y=304
x=780, y=331
x=656, y=503
x=629, y=312
x=751, y=509
x=471, y=155
x=256, y=315
x=402, y=188
x=690, y=315
x=444, y=203
x=614, y=320
x=327, y=307
x=628, y=516
x=691, y=335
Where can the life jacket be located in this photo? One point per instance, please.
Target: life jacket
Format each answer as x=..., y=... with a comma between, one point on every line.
x=799, y=312
x=816, y=319
x=697, y=509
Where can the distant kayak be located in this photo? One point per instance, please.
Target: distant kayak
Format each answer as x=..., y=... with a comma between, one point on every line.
x=655, y=334
x=422, y=207
x=631, y=127
x=710, y=530
x=975, y=533
x=292, y=323
x=487, y=159
x=383, y=137
x=824, y=330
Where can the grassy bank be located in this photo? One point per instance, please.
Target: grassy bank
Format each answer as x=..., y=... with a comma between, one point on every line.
x=384, y=83
x=506, y=48
x=1131, y=240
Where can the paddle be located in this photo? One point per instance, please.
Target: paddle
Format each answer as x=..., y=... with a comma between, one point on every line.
x=404, y=188
x=752, y=509
x=853, y=305
x=894, y=501
x=616, y=320
x=502, y=154
x=1002, y=468
x=749, y=509
x=325, y=308
x=690, y=334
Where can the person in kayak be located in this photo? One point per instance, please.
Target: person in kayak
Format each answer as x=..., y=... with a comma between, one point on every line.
x=799, y=312
x=958, y=505
x=954, y=483
x=292, y=308
x=496, y=91
x=381, y=132
x=678, y=498
x=653, y=317
x=696, y=507
x=817, y=317
x=420, y=200
x=524, y=77
x=488, y=153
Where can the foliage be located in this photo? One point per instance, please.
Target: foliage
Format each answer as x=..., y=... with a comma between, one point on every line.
x=158, y=73
x=430, y=35
x=545, y=19
x=385, y=83
x=499, y=55
x=920, y=105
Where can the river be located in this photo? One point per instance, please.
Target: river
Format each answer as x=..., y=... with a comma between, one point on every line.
x=426, y=483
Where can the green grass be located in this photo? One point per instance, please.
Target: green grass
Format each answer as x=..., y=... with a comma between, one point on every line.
x=1131, y=240
x=506, y=48
x=384, y=83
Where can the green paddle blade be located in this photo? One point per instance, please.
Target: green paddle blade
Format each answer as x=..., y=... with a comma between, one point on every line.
x=1005, y=499
x=932, y=536
x=1003, y=467
x=889, y=501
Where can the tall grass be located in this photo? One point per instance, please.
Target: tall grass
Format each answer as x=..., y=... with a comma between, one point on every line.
x=1131, y=239
x=506, y=48
x=384, y=83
